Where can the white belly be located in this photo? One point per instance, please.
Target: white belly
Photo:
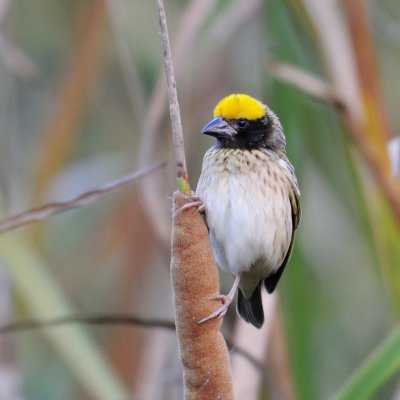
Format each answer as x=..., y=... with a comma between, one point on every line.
x=249, y=218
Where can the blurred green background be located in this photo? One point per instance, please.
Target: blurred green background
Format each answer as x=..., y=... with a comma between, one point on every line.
x=83, y=103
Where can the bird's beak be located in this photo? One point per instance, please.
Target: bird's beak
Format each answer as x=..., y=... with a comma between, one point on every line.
x=219, y=128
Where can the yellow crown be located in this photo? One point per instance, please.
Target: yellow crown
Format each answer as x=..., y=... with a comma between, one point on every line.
x=238, y=106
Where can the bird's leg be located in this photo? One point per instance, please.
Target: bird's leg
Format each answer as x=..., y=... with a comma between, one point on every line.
x=196, y=202
x=226, y=301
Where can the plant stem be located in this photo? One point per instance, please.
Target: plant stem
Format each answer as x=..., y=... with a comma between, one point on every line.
x=177, y=134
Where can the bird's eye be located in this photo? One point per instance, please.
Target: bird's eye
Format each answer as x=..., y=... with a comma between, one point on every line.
x=241, y=123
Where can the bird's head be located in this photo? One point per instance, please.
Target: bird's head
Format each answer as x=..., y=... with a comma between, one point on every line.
x=240, y=121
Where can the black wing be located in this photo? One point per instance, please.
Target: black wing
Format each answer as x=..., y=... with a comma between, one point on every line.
x=271, y=282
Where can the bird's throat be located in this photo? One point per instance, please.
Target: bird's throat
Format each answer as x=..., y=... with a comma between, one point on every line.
x=255, y=140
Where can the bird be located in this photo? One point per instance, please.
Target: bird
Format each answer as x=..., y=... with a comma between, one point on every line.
x=250, y=198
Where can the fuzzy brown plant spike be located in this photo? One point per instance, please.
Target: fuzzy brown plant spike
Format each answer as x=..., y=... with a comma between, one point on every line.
x=194, y=275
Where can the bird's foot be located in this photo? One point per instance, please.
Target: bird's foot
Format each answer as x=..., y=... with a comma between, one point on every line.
x=226, y=301
x=195, y=201
x=221, y=310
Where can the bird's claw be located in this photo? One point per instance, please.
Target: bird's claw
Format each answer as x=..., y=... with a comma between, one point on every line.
x=221, y=310
x=195, y=202
x=224, y=298
x=217, y=314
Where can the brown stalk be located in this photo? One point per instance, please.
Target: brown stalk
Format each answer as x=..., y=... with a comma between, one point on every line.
x=367, y=70
x=194, y=275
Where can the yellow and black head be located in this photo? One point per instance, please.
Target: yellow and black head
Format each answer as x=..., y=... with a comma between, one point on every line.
x=240, y=121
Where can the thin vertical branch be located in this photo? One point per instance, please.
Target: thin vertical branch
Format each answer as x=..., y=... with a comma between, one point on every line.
x=177, y=133
x=193, y=18
x=194, y=15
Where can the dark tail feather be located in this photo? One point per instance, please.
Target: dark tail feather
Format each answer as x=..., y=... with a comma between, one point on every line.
x=251, y=310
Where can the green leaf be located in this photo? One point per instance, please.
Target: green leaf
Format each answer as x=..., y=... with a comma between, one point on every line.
x=381, y=364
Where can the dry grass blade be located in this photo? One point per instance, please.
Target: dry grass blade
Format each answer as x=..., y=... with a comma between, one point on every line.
x=45, y=211
x=303, y=80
